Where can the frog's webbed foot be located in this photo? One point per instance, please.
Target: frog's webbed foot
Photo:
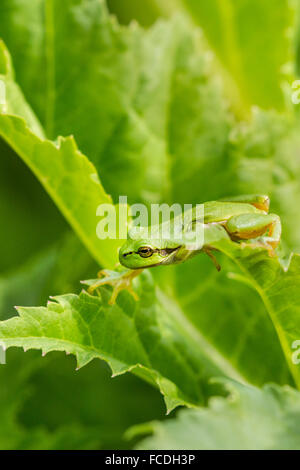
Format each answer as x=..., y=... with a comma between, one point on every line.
x=272, y=239
x=118, y=280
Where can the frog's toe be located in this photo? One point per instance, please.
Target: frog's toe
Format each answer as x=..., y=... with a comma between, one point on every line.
x=96, y=285
x=118, y=288
x=105, y=278
x=260, y=244
x=133, y=293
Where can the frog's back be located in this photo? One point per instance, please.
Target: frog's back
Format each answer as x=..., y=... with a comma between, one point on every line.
x=217, y=211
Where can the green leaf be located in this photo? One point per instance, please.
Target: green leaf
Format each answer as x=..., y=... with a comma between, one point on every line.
x=122, y=98
x=33, y=410
x=249, y=418
x=38, y=224
x=99, y=83
x=78, y=195
x=14, y=102
x=87, y=326
x=14, y=391
x=160, y=119
x=35, y=413
x=253, y=42
x=230, y=316
x=260, y=157
x=277, y=284
x=26, y=284
x=54, y=270
x=198, y=126
x=263, y=157
x=145, y=13
x=66, y=174
x=163, y=347
x=103, y=408
x=279, y=290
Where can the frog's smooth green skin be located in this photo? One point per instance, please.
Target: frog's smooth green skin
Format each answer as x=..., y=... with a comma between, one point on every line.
x=241, y=219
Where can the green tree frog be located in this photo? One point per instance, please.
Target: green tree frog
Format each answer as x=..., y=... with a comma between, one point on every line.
x=243, y=218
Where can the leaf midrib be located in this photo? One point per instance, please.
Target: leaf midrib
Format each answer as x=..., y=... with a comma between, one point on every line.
x=280, y=332
x=191, y=332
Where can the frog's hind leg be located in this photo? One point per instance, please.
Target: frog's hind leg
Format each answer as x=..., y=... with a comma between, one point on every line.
x=266, y=228
x=260, y=201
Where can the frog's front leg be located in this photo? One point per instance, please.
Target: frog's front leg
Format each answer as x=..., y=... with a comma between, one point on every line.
x=118, y=280
x=266, y=228
x=259, y=201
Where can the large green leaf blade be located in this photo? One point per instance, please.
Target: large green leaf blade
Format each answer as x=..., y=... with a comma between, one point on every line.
x=13, y=101
x=118, y=97
x=277, y=283
x=259, y=157
x=70, y=179
x=89, y=91
x=208, y=146
x=230, y=316
x=250, y=418
x=129, y=336
x=14, y=435
x=255, y=46
x=181, y=366
x=279, y=290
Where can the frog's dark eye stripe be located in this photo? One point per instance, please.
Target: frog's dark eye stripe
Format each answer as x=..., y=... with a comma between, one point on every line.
x=167, y=251
x=147, y=251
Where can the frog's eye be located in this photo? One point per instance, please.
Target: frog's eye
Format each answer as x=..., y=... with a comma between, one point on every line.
x=145, y=251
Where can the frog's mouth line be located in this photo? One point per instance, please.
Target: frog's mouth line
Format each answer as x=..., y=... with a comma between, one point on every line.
x=165, y=252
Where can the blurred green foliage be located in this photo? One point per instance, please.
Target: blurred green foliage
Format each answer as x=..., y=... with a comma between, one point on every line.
x=195, y=107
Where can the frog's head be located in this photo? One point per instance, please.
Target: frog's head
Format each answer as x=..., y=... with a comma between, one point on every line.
x=138, y=253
